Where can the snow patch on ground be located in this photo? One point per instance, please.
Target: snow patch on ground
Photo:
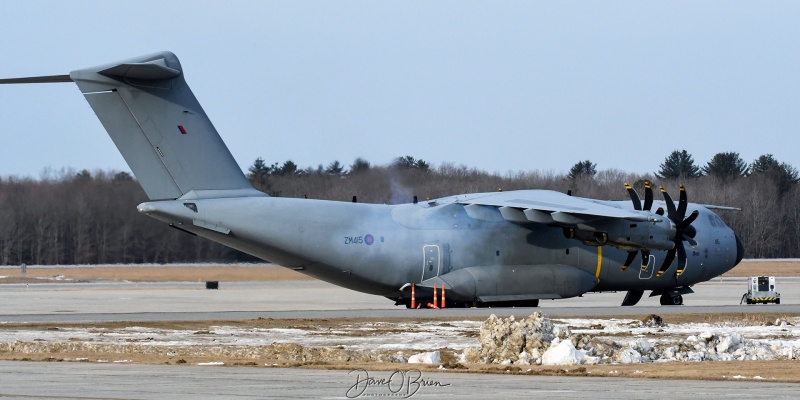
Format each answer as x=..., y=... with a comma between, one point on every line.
x=531, y=340
x=563, y=353
x=432, y=357
x=455, y=335
x=538, y=340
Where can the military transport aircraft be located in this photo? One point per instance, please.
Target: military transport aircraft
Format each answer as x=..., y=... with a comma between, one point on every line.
x=488, y=249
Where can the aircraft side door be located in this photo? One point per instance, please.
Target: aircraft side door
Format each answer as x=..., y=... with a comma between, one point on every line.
x=431, y=261
x=647, y=272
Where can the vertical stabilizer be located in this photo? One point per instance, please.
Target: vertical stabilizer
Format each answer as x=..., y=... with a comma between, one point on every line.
x=161, y=130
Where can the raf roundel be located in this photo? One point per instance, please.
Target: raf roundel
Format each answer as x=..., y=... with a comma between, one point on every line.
x=369, y=240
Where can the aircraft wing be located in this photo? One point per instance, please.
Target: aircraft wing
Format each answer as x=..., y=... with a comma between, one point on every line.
x=543, y=206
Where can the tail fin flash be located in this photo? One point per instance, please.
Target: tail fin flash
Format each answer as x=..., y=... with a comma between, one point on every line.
x=161, y=130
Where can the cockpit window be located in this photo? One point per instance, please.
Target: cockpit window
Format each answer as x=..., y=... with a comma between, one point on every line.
x=716, y=221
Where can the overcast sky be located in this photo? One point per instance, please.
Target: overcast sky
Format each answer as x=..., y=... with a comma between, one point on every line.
x=500, y=86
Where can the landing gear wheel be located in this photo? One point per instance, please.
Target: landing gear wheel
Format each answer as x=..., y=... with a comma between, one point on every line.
x=667, y=300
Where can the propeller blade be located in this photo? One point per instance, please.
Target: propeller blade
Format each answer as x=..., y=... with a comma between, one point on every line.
x=629, y=260
x=688, y=221
x=682, y=203
x=660, y=211
x=637, y=204
x=670, y=204
x=667, y=262
x=682, y=261
x=645, y=258
x=648, y=196
x=691, y=241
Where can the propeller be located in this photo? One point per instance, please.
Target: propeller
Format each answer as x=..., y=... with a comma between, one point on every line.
x=637, y=205
x=685, y=232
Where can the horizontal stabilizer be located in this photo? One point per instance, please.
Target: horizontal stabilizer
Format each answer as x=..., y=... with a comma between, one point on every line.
x=38, y=79
x=153, y=70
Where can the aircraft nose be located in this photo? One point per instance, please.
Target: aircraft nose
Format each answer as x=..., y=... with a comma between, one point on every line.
x=739, y=250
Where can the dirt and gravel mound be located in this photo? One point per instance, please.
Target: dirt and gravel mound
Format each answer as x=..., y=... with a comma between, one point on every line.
x=535, y=339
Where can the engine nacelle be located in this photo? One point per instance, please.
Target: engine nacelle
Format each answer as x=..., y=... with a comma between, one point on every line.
x=658, y=234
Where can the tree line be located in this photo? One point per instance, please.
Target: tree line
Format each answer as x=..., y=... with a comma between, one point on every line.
x=90, y=217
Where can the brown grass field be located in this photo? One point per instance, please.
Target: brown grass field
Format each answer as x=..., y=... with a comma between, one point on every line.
x=167, y=273
x=268, y=272
x=765, y=268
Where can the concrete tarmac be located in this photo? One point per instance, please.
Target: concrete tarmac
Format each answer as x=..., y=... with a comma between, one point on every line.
x=126, y=381
x=125, y=301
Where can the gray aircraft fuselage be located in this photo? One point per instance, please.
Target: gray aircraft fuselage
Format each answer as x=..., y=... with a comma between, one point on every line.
x=377, y=249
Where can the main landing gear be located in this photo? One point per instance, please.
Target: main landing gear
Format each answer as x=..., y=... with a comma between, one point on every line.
x=668, y=299
x=672, y=297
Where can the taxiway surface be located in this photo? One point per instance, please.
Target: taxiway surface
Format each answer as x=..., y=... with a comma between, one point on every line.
x=125, y=301
x=125, y=381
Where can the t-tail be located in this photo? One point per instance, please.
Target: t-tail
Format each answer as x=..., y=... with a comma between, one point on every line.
x=158, y=125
